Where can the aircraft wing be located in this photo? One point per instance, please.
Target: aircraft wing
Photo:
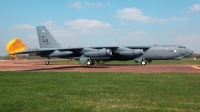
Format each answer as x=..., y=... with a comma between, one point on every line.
x=130, y=47
x=107, y=47
x=33, y=51
x=70, y=49
x=47, y=50
x=78, y=49
x=113, y=48
x=138, y=47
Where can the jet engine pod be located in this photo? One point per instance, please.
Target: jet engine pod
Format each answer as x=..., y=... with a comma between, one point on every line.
x=131, y=53
x=99, y=53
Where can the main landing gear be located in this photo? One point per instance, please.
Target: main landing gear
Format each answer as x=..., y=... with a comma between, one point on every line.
x=143, y=62
x=47, y=62
x=90, y=62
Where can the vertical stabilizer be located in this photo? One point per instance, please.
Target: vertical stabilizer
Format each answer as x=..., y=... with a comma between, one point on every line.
x=46, y=40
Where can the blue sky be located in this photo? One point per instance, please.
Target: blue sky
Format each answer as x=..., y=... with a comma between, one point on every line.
x=102, y=23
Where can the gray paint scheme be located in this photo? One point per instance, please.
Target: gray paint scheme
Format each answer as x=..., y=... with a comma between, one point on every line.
x=49, y=47
x=46, y=40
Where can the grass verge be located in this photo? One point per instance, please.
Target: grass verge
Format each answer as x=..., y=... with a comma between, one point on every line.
x=75, y=91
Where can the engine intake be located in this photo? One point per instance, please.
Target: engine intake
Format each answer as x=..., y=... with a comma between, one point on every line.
x=99, y=53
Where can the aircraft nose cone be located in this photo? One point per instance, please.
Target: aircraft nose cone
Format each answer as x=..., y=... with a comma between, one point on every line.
x=189, y=52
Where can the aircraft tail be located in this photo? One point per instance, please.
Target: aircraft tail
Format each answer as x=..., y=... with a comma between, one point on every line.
x=46, y=40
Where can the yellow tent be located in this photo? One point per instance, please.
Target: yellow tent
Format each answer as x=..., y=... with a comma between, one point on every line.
x=15, y=45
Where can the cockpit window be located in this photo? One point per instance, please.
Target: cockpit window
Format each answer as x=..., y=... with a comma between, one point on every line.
x=182, y=47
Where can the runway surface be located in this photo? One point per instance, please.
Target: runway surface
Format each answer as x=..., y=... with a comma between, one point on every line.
x=38, y=65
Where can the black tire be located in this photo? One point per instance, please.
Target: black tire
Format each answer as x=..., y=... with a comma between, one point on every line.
x=88, y=62
x=92, y=62
x=47, y=62
x=143, y=62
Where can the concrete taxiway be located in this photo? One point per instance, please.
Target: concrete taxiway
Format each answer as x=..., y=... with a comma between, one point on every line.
x=38, y=65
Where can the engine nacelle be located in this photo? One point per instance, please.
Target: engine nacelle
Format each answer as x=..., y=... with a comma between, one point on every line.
x=131, y=53
x=60, y=54
x=99, y=53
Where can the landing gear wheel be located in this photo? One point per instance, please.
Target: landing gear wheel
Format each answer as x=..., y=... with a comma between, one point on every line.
x=143, y=62
x=93, y=62
x=47, y=62
x=90, y=62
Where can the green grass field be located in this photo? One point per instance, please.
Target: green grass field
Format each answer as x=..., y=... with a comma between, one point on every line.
x=98, y=92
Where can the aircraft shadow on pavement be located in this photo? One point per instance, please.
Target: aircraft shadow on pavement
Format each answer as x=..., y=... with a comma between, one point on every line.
x=65, y=68
x=123, y=65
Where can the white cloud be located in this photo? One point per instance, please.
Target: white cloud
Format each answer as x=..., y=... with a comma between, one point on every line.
x=136, y=14
x=162, y=20
x=61, y=33
x=133, y=14
x=49, y=22
x=79, y=5
x=93, y=4
x=24, y=26
x=179, y=19
x=122, y=23
x=195, y=7
x=86, y=24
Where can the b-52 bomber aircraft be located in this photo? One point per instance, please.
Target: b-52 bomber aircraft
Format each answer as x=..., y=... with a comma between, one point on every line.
x=49, y=48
